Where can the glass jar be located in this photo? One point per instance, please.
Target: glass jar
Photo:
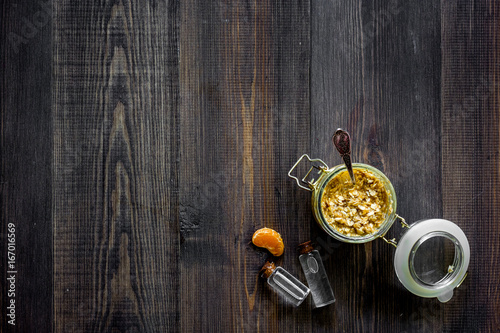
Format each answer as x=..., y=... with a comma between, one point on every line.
x=317, y=187
x=420, y=241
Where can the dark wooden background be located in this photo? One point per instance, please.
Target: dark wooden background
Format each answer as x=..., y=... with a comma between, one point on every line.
x=143, y=142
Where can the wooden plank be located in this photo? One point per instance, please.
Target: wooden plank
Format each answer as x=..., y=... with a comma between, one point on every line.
x=471, y=178
x=115, y=202
x=25, y=100
x=375, y=71
x=244, y=122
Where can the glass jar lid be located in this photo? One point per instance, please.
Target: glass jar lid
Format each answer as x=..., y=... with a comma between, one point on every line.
x=432, y=258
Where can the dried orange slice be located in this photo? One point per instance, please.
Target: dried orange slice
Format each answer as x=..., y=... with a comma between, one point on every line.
x=269, y=239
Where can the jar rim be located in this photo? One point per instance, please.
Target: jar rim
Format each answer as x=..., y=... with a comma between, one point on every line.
x=457, y=260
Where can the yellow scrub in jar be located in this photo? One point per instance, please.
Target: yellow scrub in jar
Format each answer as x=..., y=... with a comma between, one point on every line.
x=359, y=209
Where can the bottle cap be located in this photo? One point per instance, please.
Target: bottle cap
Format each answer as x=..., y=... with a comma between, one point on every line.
x=306, y=247
x=267, y=269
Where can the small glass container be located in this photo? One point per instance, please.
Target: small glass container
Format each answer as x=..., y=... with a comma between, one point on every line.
x=433, y=238
x=285, y=284
x=317, y=280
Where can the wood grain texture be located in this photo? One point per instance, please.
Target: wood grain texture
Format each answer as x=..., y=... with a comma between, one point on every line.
x=143, y=142
x=244, y=103
x=471, y=141
x=115, y=188
x=376, y=73
x=26, y=140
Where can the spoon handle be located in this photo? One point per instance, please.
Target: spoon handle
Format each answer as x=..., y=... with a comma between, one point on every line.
x=342, y=142
x=347, y=162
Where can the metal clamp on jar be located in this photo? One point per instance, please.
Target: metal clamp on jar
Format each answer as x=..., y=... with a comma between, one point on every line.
x=414, y=270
